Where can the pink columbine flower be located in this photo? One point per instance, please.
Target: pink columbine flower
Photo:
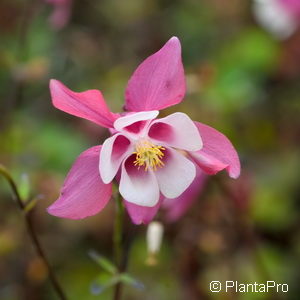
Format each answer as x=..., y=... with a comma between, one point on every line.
x=61, y=13
x=280, y=17
x=152, y=158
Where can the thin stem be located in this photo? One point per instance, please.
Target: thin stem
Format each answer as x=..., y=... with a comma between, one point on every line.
x=118, y=245
x=16, y=195
x=32, y=233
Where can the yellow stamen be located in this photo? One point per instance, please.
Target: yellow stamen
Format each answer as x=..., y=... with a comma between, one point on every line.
x=148, y=155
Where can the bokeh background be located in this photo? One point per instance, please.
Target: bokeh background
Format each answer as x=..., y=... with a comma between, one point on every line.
x=241, y=79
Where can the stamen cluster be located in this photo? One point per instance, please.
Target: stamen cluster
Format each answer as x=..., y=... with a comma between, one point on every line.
x=148, y=155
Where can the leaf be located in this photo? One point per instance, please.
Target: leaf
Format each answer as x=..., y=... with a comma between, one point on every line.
x=24, y=186
x=102, y=283
x=128, y=279
x=102, y=261
x=29, y=205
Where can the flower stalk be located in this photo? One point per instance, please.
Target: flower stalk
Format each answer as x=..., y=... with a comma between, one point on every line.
x=118, y=243
x=118, y=231
x=32, y=233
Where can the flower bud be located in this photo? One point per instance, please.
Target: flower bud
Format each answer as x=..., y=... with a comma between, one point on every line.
x=154, y=239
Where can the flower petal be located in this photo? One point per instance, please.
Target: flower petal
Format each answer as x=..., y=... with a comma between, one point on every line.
x=113, y=152
x=83, y=193
x=176, y=208
x=141, y=214
x=176, y=175
x=89, y=105
x=217, y=152
x=274, y=16
x=176, y=130
x=159, y=81
x=137, y=185
x=130, y=119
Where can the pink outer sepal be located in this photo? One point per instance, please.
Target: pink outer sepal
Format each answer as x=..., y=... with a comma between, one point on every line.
x=141, y=214
x=83, y=194
x=159, y=81
x=217, y=152
x=89, y=105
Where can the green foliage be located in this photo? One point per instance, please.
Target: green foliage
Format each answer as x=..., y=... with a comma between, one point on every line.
x=241, y=68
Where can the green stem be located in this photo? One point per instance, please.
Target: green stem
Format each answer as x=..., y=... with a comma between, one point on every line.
x=32, y=233
x=118, y=245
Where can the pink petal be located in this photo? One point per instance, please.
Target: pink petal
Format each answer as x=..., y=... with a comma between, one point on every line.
x=141, y=214
x=114, y=151
x=176, y=175
x=137, y=185
x=292, y=6
x=217, y=152
x=176, y=130
x=176, y=208
x=89, y=105
x=159, y=81
x=133, y=118
x=83, y=194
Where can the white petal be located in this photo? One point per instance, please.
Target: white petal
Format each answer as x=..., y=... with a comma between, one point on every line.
x=129, y=119
x=176, y=130
x=275, y=18
x=137, y=185
x=114, y=150
x=176, y=175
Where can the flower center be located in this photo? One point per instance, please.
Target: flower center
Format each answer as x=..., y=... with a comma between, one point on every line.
x=148, y=155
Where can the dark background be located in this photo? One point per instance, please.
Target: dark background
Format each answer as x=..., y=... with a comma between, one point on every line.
x=240, y=79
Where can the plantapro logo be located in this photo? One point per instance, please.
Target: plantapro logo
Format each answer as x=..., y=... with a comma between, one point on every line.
x=235, y=286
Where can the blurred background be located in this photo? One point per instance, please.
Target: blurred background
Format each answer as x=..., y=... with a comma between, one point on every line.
x=242, y=64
